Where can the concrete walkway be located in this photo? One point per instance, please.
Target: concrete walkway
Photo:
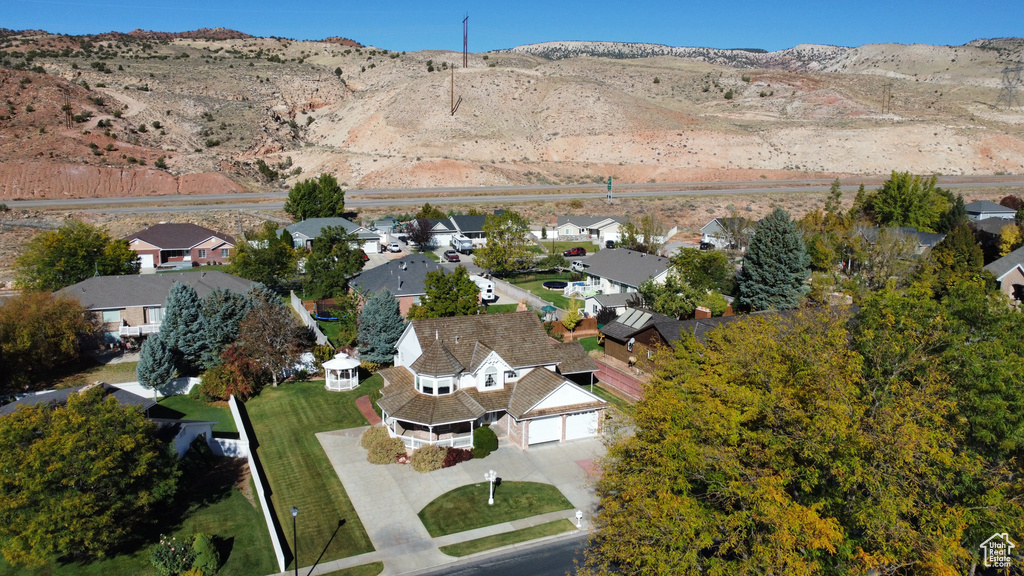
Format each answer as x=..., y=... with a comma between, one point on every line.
x=387, y=498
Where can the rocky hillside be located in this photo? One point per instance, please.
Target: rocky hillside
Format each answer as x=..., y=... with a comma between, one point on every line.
x=218, y=110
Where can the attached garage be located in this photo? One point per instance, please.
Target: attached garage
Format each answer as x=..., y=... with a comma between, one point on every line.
x=545, y=430
x=371, y=246
x=146, y=261
x=583, y=425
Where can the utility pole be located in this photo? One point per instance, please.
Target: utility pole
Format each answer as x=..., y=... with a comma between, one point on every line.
x=465, y=41
x=1009, y=96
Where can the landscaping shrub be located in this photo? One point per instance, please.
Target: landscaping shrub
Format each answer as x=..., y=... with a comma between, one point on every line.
x=485, y=441
x=323, y=353
x=172, y=557
x=386, y=451
x=428, y=458
x=371, y=367
x=207, y=559
x=455, y=455
x=374, y=435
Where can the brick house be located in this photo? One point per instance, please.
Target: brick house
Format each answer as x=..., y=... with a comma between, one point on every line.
x=1009, y=273
x=169, y=244
x=452, y=375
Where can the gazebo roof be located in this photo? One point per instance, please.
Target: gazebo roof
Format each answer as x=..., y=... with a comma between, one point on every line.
x=341, y=361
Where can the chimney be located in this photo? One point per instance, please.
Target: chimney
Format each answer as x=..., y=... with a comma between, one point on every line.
x=728, y=311
x=701, y=312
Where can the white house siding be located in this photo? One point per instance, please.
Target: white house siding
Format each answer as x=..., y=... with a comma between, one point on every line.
x=566, y=395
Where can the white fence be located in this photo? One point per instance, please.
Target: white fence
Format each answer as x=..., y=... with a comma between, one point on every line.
x=307, y=319
x=268, y=514
x=522, y=295
x=228, y=447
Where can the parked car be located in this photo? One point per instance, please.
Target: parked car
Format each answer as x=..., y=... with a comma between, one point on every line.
x=707, y=246
x=451, y=256
x=575, y=251
x=394, y=247
x=578, y=266
x=365, y=257
x=609, y=244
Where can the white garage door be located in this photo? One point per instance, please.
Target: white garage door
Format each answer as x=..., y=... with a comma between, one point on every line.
x=371, y=246
x=546, y=430
x=147, y=260
x=581, y=425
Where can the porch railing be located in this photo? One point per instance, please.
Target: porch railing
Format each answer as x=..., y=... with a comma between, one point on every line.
x=139, y=330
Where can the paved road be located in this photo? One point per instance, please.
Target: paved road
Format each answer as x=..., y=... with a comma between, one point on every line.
x=551, y=558
x=468, y=195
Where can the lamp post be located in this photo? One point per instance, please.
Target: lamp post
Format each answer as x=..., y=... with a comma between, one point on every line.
x=295, y=542
x=579, y=518
x=491, y=477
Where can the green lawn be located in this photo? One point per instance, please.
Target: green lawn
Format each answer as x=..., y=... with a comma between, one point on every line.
x=535, y=284
x=237, y=525
x=466, y=508
x=501, y=308
x=199, y=410
x=432, y=255
x=333, y=331
x=285, y=420
x=590, y=344
x=507, y=538
x=371, y=569
x=88, y=371
x=621, y=403
x=557, y=247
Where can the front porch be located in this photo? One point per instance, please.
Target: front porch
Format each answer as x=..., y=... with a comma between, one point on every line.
x=455, y=435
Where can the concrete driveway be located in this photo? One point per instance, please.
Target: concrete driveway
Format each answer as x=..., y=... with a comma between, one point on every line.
x=387, y=498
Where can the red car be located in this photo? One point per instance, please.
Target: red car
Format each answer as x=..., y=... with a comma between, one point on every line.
x=576, y=251
x=451, y=256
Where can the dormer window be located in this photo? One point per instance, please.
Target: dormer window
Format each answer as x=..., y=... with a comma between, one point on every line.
x=511, y=375
x=490, y=377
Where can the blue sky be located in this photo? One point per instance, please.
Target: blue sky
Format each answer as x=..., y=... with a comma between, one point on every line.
x=410, y=25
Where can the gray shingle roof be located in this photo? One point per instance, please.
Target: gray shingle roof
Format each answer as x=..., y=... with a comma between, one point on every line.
x=631, y=322
x=60, y=397
x=311, y=228
x=1000, y=267
x=177, y=236
x=588, y=221
x=106, y=292
x=926, y=239
x=574, y=359
x=473, y=223
x=614, y=300
x=518, y=337
x=626, y=266
x=986, y=206
x=403, y=277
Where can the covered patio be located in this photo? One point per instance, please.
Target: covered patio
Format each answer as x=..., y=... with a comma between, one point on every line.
x=415, y=435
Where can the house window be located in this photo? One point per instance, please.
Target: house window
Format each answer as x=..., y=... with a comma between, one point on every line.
x=650, y=354
x=202, y=253
x=154, y=315
x=444, y=386
x=225, y=252
x=425, y=385
x=111, y=316
x=511, y=375
x=490, y=377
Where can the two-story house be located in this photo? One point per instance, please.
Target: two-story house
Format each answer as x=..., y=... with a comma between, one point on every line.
x=452, y=375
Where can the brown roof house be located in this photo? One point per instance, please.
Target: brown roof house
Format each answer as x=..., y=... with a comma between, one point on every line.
x=1009, y=273
x=452, y=375
x=171, y=245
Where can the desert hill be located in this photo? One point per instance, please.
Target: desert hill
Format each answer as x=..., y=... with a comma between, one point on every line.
x=217, y=110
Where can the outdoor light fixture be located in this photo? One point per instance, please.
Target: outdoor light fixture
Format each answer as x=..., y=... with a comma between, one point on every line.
x=579, y=518
x=491, y=477
x=295, y=542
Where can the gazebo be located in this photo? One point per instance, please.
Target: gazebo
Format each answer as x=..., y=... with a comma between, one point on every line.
x=341, y=372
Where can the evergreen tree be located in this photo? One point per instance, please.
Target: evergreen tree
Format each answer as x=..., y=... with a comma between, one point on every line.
x=834, y=202
x=956, y=215
x=183, y=328
x=448, y=295
x=428, y=211
x=775, y=266
x=380, y=326
x=957, y=257
x=222, y=310
x=319, y=198
x=156, y=363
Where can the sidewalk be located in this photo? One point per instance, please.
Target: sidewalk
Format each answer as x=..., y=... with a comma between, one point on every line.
x=387, y=498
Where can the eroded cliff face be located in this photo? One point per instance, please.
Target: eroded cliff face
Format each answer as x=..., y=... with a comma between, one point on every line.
x=37, y=180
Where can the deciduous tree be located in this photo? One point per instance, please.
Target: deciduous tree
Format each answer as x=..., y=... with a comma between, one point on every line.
x=332, y=261
x=316, y=198
x=428, y=211
x=380, y=326
x=418, y=232
x=38, y=332
x=676, y=298
x=448, y=295
x=775, y=266
x=264, y=257
x=704, y=270
x=270, y=336
x=646, y=235
x=508, y=241
x=77, y=480
x=70, y=254
x=909, y=200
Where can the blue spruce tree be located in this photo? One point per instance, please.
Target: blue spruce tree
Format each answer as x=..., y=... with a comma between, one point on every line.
x=775, y=266
x=380, y=326
x=156, y=363
x=222, y=311
x=183, y=328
